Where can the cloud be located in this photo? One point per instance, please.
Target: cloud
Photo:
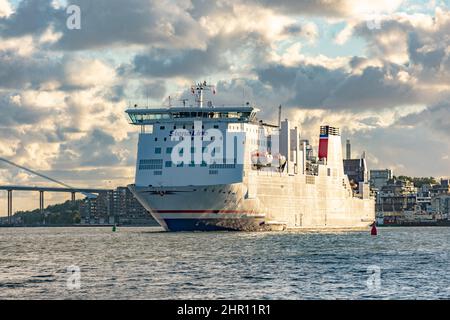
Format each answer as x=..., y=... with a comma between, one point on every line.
x=415, y=40
x=32, y=17
x=314, y=86
x=332, y=8
x=19, y=72
x=435, y=117
x=85, y=73
x=14, y=112
x=5, y=8
x=156, y=23
x=188, y=63
x=154, y=89
x=108, y=23
x=309, y=31
x=95, y=149
x=412, y=150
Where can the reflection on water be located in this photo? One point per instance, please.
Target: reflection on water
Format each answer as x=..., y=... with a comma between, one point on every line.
x=144, y=263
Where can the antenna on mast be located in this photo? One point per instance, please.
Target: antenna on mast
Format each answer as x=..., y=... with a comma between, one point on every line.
x=184, y=102
x=198, y=89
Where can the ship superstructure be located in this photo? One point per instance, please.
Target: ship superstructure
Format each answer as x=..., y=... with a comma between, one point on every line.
x=220, y=168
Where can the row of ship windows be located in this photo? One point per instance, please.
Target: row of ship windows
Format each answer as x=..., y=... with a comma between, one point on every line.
x=246, y=129
x=162, y=128
x=192, y=139
x=157, y=164
x=211, y=172
x=252, y=141
x=169, y=150
x=170, y=164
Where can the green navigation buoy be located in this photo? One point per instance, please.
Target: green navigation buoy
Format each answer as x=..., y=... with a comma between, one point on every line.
x=114, y=228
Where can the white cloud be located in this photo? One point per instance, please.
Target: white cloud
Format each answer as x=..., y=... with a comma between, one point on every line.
x=50, y=36
x=88, y=73
x=344, y=35
x=368, y=7
x=22, y=46
x=5, y=8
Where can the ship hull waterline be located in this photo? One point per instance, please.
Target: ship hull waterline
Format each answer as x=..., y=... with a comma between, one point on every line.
x=227, y=208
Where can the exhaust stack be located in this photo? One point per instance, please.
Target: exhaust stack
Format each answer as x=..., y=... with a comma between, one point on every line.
x=330, y=148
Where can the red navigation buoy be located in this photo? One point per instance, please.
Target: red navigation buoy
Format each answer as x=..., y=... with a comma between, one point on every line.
x=374, y=230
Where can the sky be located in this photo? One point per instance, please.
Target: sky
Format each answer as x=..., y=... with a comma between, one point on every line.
x=379, y=70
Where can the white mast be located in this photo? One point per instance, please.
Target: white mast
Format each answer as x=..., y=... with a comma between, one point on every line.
x=198, y=91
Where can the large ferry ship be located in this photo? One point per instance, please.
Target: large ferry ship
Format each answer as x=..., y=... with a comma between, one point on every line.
x=206, y=167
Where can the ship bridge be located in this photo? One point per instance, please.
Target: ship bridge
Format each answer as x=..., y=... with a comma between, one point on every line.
x=199, y=112
x=181, y=114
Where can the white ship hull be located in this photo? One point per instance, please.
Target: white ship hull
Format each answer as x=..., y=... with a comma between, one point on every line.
x=261, y=203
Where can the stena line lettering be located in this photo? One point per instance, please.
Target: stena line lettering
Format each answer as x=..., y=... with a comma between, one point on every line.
x=178, y=133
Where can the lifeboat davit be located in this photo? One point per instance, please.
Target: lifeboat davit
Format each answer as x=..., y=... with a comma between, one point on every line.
x=261, y=158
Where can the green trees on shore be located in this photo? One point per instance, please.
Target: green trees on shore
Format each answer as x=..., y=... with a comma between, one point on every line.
x=418, y=182
x=66, y=213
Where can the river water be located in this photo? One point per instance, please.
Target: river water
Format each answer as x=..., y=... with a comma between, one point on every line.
x=146, y=263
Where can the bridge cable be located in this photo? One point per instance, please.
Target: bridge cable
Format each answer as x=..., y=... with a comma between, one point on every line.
x=89, y=195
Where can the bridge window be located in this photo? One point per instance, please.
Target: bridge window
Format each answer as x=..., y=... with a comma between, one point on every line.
x=150, y=164
x=157, y=150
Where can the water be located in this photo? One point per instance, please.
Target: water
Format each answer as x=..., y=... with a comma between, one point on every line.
x=145, y=263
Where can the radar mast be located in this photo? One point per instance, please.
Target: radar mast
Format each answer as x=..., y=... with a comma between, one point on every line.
x=198, y=89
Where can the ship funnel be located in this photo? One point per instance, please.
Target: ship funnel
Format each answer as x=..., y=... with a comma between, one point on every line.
x=330, y=148
x=324, y=145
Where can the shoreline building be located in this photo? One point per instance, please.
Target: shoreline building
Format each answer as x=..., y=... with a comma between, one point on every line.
x=380, y=178
x=356, y=169
x=116, y=207
x=401, y=202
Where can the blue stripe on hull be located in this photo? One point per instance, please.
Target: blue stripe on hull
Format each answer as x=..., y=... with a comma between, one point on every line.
x=177, y=225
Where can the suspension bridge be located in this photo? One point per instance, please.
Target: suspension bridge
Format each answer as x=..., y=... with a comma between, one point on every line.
x=65, y=188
